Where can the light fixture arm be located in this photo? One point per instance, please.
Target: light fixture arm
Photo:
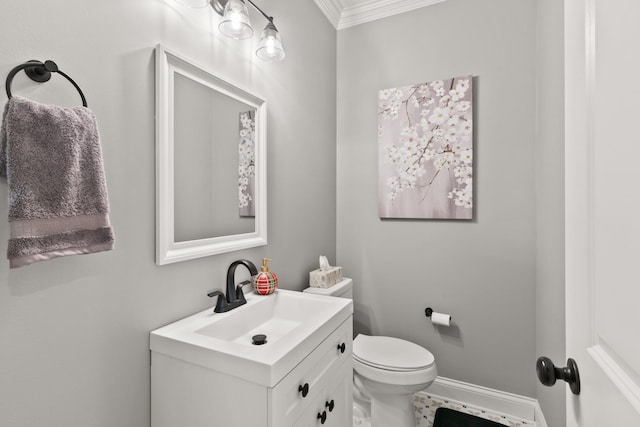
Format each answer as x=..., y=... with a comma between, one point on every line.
x=269, y=18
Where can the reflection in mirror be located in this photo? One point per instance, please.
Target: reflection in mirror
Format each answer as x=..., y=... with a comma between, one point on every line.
x=211, y=178
x=207, y=162
x=247, y=164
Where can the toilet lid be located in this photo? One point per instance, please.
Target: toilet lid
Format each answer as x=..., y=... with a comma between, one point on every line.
x=392, y=354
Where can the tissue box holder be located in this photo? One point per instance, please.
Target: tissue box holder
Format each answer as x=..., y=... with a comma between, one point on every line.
x=325, y=278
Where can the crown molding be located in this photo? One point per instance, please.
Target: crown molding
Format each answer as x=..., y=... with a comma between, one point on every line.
x=332, y=9
x=369, y=10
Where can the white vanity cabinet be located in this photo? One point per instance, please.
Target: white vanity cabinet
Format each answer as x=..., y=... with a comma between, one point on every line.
x=189, y=394
x=323, y=376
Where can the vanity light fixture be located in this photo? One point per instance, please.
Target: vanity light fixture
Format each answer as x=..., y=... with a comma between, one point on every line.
x=235, y=20
x=235, y=24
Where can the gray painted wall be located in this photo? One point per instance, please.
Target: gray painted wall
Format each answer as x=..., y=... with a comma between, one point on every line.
x=74, y=331
x=483, y=272
x=550, y=319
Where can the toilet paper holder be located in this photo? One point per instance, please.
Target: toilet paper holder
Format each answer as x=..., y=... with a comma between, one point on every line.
x=442, y=318
x=428, y=311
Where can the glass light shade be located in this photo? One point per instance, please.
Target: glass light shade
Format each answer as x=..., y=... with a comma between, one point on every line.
x=235, y=21
x=270, y=48
x=193, y=3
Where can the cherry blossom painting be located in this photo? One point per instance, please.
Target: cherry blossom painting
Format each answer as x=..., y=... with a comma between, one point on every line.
x=425, y=150
x=247, y=164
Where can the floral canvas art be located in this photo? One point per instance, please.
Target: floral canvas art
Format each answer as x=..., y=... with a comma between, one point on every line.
x=425, y=150
x=247, y=164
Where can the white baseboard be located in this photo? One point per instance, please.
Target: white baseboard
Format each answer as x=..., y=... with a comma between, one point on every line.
x=493, y=400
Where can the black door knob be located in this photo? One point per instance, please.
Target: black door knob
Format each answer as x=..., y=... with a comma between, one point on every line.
x=548, y=373
x=342, y=347
x=322, y=417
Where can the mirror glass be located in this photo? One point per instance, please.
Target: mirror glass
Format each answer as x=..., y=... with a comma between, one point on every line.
x=210, y=143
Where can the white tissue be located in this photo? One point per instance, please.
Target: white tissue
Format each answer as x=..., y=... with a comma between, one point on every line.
x=324, y=263
x=441, y=319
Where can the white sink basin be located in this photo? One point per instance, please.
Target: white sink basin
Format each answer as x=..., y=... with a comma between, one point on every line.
x=294, y=323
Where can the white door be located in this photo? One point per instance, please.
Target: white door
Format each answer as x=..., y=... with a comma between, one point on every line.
x=602, y=190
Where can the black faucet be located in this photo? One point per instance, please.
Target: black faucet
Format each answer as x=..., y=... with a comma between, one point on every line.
x=235, y=296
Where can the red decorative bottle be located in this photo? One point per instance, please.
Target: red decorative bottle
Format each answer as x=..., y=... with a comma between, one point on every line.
x=266, y=281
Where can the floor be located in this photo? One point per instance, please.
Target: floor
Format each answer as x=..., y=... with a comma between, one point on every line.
x=425, y=406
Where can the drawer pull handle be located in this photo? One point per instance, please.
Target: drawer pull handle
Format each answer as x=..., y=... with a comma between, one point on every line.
x=304, y=389
x=329, y=405
x=342, y=347
x=322, y=417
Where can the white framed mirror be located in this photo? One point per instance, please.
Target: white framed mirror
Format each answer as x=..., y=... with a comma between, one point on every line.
x=210, y=163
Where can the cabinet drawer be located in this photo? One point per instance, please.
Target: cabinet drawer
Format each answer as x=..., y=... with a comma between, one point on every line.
x=286, y=398
x=335, y=408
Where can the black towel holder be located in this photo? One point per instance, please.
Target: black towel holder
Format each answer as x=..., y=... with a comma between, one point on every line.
x=40, y=72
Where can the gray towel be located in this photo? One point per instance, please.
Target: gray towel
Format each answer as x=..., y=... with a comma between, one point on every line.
x=58, y=203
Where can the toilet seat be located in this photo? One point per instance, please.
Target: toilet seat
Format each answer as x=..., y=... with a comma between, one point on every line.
x=397, y=378
x=392, y=361
x=385, y=367
x=391, y=354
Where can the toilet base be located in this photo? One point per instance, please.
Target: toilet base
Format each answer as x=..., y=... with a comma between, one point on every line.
x=392, y=410
x=390, y=404
x=360, y=417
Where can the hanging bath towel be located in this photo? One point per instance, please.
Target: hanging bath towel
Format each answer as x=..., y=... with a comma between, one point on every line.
x=58, y=203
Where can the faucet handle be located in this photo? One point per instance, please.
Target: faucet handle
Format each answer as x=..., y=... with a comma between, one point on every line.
x=239, y=292
x=221, y=304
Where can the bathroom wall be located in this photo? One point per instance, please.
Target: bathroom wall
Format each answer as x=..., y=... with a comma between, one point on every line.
x=550, y=319
x=481, y=271
x=74, y=331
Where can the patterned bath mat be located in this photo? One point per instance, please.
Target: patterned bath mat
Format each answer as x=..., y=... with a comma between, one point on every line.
x=449, y=418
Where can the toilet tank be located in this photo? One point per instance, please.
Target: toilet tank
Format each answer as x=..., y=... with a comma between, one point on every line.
x=342, y=289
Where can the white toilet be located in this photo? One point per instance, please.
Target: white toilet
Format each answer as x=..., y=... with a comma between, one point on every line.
x=387, y=371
